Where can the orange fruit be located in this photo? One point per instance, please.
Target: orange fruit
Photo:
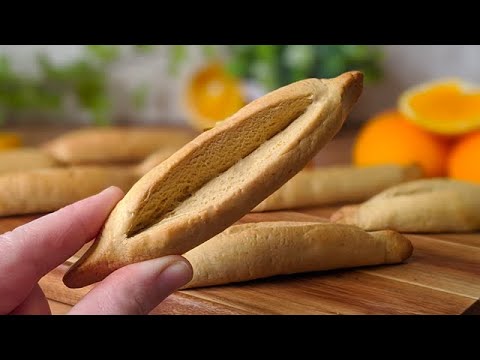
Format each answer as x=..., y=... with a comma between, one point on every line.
x=212, y=95
x=389, y=138
x=464, y=159
x=9, y=141
x=449, y=107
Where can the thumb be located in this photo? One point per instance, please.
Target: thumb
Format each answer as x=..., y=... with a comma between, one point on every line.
x=136, y=289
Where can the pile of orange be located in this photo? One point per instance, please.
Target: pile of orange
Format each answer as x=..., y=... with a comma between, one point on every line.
x=464, y=158
x=436, y=126
x=390, y=138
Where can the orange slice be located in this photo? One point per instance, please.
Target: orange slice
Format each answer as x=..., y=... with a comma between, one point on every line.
x=212, y=95
x=448, y=106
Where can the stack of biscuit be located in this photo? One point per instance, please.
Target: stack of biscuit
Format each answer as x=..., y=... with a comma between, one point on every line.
x=184, y=194
x=79, y=164
x=253, y=161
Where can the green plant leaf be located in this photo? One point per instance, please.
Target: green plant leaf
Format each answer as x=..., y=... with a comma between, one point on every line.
x=266, y=74
x=100, y=109
x=209, y=51
x=237, y=67
x=356, y=52
x=299, y=60
x=144, y=48
x=104, y=53
x=5, y=69
x=299, y=56
x=240, y=60
x=140, y=96
x=178, y=54
x=3, y=116
x=333, y=66
x=267, y=53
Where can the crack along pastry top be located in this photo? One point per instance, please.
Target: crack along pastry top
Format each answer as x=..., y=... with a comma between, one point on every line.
x=220, y=176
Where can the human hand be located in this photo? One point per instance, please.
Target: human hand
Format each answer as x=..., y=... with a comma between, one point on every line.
x=32, y=250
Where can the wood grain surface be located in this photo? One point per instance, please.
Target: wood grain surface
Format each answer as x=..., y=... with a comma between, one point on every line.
x=441, y=277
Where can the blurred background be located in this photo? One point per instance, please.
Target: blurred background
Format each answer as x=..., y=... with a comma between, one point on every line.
x=146, y=84
x=50, y=87
x=75, y=119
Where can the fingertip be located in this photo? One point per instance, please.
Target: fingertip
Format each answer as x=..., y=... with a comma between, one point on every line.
x=137, y=288
x=113, y=191
x=171, y=271
x=181, y=259
x=179, y=272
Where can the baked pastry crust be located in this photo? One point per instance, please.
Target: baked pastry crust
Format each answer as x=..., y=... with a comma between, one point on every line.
x=113, y=145
x=422, y=206
x=155, y=159
x=337, y=184
x=220, y=176
x=45, y=190
x=25, y=159
x=253, y=251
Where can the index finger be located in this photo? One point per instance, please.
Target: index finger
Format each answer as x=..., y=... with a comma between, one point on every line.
x=32, y=250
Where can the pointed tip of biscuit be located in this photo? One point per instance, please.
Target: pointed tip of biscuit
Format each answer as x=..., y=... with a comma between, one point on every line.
x=351, y=84
x=84, y=275
x=87, y=270
x=73, y=278
x=397, y=247
x=351, y=76
x=400, y=249
x=78, y=276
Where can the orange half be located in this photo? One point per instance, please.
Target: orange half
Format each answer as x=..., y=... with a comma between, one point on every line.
x=449, y=107
x=212, y=95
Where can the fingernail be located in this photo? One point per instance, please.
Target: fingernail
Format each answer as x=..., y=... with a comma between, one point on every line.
x=176, y=275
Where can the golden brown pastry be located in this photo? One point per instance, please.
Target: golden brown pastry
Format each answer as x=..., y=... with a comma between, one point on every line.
x=430, y=205
x=113, y=145
x=337, y=184
x=25, y=159
x=220, y=176
x=45, y=190
x=254, y=251
x=155, y=159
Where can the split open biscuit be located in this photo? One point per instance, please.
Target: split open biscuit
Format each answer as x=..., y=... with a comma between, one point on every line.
x=220, y=176
x=422, y=206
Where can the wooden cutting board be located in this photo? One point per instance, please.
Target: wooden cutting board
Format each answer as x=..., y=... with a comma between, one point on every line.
x=441, y=277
